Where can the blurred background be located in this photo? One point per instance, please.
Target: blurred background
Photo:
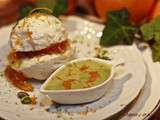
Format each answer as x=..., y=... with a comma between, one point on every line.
x=11, y=10
x=140, y=11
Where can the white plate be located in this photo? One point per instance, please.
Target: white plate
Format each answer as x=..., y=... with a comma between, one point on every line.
x=87, y=34
x=149, y=99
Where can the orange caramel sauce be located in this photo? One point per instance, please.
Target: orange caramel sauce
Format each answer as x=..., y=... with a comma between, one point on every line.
x=54, y=48
x=18, y=79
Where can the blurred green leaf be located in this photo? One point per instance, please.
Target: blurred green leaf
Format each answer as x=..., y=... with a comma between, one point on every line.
x=25, y=10
x=156, y=52
x=118, y=30
x=57, y=6
x=60, y=7
x=151, y=30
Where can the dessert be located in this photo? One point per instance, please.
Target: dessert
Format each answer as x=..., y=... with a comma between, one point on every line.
x=39, y=46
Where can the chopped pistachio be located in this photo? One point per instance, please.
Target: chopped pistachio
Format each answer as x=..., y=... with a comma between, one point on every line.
x=26, y=100
x=102, y=53
x=22, y=94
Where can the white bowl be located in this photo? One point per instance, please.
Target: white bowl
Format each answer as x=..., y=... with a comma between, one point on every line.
x=76, y=96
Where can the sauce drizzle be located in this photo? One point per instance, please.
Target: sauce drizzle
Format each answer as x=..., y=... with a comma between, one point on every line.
x=18, y=79
x=54, y=48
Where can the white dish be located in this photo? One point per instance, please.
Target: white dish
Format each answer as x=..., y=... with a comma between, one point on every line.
x=148, y=100
x=87, y=34
x=77, y=96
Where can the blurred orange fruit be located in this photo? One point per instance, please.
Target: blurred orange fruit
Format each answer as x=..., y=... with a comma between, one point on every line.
x=156, y=10
x=138, y=9
x=71, y=6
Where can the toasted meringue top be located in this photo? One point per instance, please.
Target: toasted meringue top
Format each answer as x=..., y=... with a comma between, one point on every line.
x=36, y=32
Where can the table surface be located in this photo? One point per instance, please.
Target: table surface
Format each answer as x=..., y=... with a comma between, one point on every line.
x=156, y=116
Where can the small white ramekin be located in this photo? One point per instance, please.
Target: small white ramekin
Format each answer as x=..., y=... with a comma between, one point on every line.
x=76, y=96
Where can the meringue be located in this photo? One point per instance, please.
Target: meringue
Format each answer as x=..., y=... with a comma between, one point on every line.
x=36, y=32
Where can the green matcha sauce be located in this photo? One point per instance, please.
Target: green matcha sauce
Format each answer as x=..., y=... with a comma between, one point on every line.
x=80, y=74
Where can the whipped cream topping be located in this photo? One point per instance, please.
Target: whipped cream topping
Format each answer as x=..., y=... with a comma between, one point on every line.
x=36, y=32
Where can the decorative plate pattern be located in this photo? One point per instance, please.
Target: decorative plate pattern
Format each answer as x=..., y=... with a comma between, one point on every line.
x=85, y=36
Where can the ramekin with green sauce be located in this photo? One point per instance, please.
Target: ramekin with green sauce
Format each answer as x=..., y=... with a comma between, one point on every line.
x=80, y=81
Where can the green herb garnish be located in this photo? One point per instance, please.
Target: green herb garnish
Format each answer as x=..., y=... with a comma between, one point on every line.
x=22, y=94
x=117, y=29
x=26, y=100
